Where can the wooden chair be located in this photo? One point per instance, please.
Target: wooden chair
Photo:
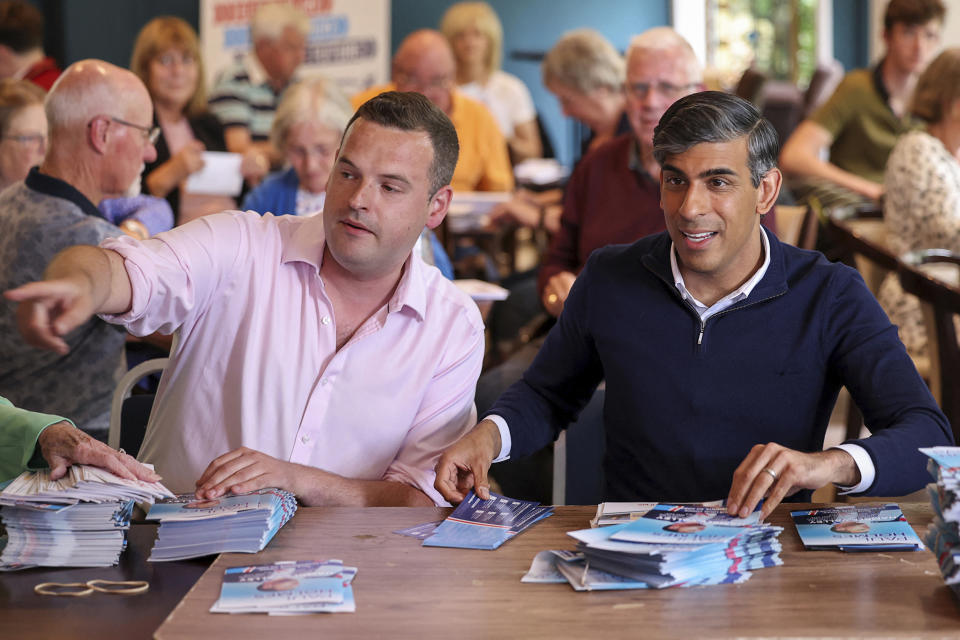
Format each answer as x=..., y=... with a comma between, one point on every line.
x=940, y=300
x=796, y=225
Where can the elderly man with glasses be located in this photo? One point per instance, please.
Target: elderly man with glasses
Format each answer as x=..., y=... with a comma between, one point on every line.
x=100, y=136
x=424, y=63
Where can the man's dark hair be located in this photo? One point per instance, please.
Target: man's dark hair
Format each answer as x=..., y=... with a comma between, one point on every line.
x=714, y=116
x=912, y=13
x=410, y=111
x=21, y=26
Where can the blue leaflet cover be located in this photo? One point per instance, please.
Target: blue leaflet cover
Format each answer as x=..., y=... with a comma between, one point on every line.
x=486, y=524
x=686, y=525
x=861, y=527
x=282, y=583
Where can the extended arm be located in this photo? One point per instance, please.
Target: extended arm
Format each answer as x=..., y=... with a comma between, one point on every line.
x=244, y=470
x=79, y=282
x=801, y=157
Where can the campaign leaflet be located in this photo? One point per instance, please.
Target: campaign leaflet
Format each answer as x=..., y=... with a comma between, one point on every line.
x=191, y=528
x=288, y=587
x=686, y=524
x=619, y=512
x=856, y=527
x=486, y=524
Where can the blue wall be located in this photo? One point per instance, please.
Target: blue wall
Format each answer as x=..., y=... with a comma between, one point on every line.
x=534, y=25
x=851, y=31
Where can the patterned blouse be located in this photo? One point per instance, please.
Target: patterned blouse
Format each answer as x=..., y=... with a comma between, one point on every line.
x=922, y=211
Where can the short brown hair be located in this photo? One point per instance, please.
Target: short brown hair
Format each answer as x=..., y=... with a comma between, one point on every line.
x=411, y=111
x=912, y=13
x=938, y=87
x=156, y=37
x=21, y=26
x=14, y=96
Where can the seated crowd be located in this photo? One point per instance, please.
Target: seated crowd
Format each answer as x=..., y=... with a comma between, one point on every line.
x=319, y=342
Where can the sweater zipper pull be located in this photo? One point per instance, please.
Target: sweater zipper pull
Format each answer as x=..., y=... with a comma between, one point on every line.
x=700, y=337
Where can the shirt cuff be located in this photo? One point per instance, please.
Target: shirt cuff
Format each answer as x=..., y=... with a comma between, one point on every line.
x=505, y=442
x=868, y=472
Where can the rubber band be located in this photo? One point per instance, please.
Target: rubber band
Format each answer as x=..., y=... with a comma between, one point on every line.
x=134, y=587
x=46, y=589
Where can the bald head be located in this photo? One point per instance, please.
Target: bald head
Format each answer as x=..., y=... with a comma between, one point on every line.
x=89, y=88
x=100, y=117
x=424, y=63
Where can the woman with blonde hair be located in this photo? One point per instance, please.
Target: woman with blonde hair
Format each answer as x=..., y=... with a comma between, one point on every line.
x=23, y=129
x=307, y=128
x=166, y=56
x=921, y=206
x=476, y=37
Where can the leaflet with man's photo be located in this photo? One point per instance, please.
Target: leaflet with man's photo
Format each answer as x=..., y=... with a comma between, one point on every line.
x=857, y=527
x=188, y=507
x=686, y=525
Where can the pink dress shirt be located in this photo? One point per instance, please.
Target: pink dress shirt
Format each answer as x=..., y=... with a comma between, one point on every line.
x=257, y=364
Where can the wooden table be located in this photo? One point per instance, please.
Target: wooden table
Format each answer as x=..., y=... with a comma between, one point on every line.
x=405, y=590
x=24, y=614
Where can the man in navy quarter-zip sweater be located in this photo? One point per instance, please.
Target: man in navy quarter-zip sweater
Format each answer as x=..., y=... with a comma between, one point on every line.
x=722, y=349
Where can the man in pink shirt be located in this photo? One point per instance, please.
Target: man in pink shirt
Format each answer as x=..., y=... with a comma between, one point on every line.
x=320, y=355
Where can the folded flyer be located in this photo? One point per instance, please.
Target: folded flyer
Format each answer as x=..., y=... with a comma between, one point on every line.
x=857, y=527
x=287, y=587
x=486, y=524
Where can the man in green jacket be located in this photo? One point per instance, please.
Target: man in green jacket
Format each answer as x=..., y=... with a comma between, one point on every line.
x=31, y=441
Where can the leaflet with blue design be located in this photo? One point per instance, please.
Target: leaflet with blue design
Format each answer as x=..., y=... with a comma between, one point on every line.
x=857, y=527
x=287, y=587
x=486, y=524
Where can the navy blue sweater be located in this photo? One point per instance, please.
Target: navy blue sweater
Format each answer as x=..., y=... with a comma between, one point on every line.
x=686, y=400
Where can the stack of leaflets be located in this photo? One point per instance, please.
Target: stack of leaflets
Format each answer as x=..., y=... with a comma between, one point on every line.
x=670, y=545
x=288, y=588
x=190, y=528
x=77, y=521
x=942, y=534
x=619, y=512
x=856, y=527
x=486, y=524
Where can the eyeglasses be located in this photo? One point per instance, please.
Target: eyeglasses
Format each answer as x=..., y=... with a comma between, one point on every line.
x=639, y=90
x=37, y=139
x=150, y=134
x=169, y=59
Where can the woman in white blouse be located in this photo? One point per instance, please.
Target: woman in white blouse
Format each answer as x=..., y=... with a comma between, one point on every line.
x=921, y=206
x=476, y=36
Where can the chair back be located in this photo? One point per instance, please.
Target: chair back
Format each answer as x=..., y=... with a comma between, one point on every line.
x=796, y=225
x=862, y=236
x=129, y=414
x=932, y=276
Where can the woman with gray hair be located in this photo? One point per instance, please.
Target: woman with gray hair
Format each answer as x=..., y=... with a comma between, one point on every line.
x=307, y=129
x=921, y=207
x=586, y=74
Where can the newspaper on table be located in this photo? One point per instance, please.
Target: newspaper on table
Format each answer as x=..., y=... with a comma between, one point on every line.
x=669, y=545
x=191, y=528
x=941, y=535
x=856, y=527
x=77, y=521
x=486, y=524
x=288, y=588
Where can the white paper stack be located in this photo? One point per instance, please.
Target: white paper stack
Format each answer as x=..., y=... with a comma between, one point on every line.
x=942, y=536
x=288, y=588
x=77, y=521
x=190, y=528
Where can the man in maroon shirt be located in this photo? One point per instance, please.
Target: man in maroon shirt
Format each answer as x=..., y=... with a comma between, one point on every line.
x=21, y=45
x=614, y=196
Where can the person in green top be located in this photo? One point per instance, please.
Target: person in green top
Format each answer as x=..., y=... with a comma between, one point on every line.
x=861, y=121
x=32, y=441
